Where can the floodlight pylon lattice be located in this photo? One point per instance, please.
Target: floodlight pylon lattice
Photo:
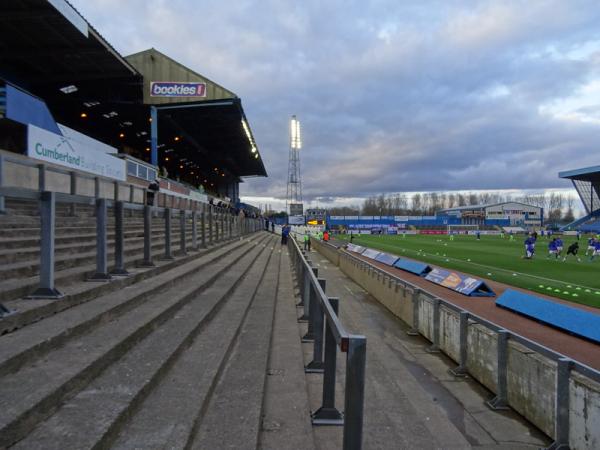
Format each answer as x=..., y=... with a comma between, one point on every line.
x=294, y=183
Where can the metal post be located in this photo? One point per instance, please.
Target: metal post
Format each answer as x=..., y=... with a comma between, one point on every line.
x=101, y=273
x=168, y=254
x=41, y=177
x=328, y=414
x=154, y=136
x=119, y=241
x=2, y=207
x=414, y=330
x=561, y=413
x=147, y=237
x=211, y=236
x=500, y=401
x=46, y=288
x=461, y=369
x=435, y=345
x=96, y=187
x=203, y=226
x=73, y=191
x=305, y=293
x=316, y=365
x=312, y=295
x=182, y=232
x=194, y=230
x=356, y=359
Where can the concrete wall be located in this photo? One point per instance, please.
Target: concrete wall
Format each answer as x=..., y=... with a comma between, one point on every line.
x=531, y=377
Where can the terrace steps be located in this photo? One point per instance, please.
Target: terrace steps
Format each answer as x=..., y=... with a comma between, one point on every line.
x=116, y=370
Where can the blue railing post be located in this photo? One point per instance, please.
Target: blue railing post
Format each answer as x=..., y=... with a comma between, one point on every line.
x=328, y=414
x=46, y=288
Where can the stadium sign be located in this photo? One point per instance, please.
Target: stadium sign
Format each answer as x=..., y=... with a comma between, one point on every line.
x=56, y=149
x=296, y=220
x=296, y=209
x=177, y=89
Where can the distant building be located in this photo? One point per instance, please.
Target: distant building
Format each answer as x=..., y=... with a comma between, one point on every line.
x=502, y=214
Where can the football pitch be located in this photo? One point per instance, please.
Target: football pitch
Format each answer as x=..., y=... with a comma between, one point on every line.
x=499, y=259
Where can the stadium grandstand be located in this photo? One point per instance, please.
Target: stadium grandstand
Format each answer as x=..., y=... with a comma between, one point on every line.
x=586, y=182
x=61, y=81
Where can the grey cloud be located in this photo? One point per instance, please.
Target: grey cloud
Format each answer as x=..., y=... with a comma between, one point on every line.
x=393, y=96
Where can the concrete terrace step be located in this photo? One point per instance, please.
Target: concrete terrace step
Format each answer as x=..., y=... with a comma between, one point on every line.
x=171, y=412
x=137, y=344
x=239, y=393
x=61, y=262
x=93, y=412
x=71, y=282
x=103, y=304
x=81, y=245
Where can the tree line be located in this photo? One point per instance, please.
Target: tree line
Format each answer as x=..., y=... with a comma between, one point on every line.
x=557, y=206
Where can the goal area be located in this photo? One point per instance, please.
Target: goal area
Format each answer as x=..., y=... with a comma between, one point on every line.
x=462, y=227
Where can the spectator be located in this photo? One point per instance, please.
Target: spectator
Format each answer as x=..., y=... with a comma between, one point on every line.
x=285, y=231
x=152, y=192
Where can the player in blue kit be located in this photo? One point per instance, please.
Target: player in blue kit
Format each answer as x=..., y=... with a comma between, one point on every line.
x=591, y=247
x=559, y=246
x=529, y=247
x=596, y=249
x=552, y=249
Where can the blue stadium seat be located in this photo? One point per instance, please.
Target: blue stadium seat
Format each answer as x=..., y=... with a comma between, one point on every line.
x=572, y=320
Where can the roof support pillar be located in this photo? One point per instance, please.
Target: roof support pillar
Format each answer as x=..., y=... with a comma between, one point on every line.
x=154, y=136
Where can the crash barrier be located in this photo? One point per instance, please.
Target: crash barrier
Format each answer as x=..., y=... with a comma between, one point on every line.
x=216, y=224
x=327, y=334
x=557, y=394
x=572, y=320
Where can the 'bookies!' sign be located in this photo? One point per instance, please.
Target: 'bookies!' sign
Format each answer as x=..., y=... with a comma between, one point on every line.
x=176, y=89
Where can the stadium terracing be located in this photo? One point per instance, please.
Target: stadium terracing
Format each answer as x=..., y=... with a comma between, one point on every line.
x=586, y=182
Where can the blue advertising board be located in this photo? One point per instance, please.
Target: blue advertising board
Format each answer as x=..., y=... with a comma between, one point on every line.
x=568, y=318
x=386, y=258
x=460, y=283
x=355, y=248
x=416, y=267
x=370, y=253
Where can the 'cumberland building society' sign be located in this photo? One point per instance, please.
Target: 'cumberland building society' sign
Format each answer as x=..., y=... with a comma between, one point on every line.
x=54, y=148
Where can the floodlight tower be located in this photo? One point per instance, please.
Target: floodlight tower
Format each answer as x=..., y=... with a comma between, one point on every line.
x=294, y=184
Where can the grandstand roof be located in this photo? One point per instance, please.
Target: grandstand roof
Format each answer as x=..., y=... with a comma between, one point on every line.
x=585, y=174
x=48, y=49
x=587, y=183
x=482, y=206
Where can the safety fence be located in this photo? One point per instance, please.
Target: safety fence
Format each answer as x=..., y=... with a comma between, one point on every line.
x=557, y=394
x=216, y=224
x=327, y=334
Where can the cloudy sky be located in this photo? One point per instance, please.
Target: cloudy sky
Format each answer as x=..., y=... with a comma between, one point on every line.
x=392, y=95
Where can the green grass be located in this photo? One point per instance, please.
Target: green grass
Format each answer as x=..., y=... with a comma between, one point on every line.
x=500, y=260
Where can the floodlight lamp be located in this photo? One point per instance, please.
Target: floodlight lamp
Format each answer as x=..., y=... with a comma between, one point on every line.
x=69, y=89
x=296, y=141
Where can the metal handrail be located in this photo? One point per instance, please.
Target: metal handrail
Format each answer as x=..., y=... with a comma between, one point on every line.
x=321, y=312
